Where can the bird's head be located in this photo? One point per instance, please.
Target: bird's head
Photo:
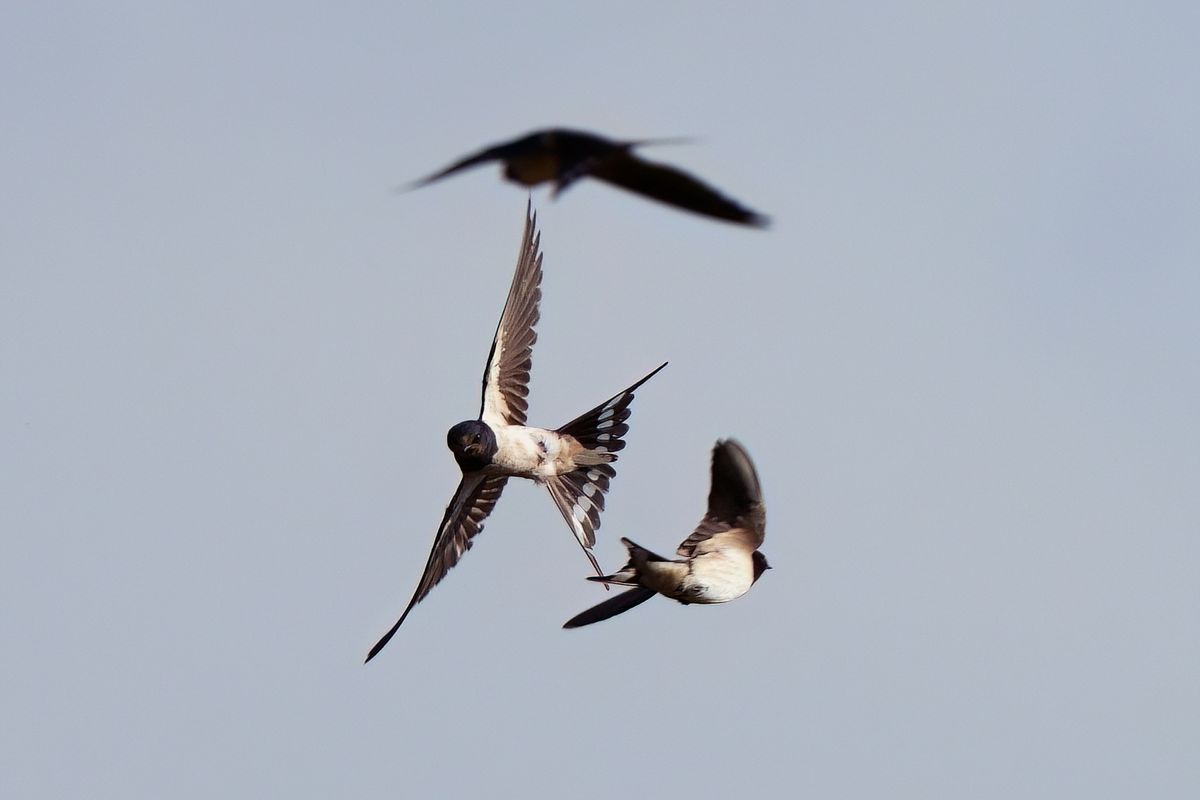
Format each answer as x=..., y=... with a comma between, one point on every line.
x=760, y=564
x=473, y=444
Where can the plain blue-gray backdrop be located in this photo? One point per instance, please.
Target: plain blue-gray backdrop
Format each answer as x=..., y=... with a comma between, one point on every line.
x=966, y=359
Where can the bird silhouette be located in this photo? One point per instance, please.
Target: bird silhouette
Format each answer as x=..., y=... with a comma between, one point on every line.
x=564, y=156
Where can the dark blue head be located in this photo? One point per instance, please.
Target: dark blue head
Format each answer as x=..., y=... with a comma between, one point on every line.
x=473, y=445
x=760, y=564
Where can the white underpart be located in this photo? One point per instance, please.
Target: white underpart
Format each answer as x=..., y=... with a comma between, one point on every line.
x=723, y=575
x=534, y=453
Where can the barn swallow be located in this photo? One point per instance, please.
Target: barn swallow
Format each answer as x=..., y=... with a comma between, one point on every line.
x=720, y=560
x=574, y=462
x=564, y=156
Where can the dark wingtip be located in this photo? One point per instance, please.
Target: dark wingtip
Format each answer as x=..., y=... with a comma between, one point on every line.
x=610, y=607
x=667, y=140
x=736, y=487
x=419, y=182
x=404, y=188
x=375, y=650
x=387, y=637
x=740, y=215
x=760, y=221
x=730, y=456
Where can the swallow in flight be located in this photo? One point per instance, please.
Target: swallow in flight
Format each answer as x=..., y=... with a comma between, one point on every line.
x=719, y=562
x=564, y=156
x=573, y=462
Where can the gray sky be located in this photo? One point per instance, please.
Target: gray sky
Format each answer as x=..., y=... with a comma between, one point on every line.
x=966, y=360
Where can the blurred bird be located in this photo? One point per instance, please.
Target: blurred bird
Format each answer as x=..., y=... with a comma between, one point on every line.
x=720, y=560
x=573, y=462
x=564, y=156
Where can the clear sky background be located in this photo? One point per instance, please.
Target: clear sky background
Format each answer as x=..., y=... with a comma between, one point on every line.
x=966, y=360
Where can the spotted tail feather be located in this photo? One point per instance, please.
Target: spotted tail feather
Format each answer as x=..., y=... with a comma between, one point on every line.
x=579, y=494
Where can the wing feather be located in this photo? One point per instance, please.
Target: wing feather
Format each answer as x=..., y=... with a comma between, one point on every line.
x=673, y=187
x=736, y=514
x=611, y=607
x=473, y=501
x=494, y=153
x=506, y=376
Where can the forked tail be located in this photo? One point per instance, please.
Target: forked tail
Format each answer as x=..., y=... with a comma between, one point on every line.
x=579, y=494
x=628, y=574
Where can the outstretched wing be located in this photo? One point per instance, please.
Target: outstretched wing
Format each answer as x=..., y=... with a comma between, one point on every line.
x=673, y=187
x=497, y=152
x=506, y=376
x=736, y=515
x=474, y=499
x=610, y=607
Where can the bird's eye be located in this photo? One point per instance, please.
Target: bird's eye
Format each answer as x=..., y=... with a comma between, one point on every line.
x=475, y=439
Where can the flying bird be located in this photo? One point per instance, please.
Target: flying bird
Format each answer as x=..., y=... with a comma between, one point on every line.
x=719, y=562
x=573, y=462
x=564, y=156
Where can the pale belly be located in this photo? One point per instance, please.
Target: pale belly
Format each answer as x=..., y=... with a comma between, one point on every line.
x=717, y=578
x=531, y=453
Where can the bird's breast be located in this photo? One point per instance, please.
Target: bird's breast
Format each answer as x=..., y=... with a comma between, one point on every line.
x=532, y=169
x=529, y=453
x=718, y=577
